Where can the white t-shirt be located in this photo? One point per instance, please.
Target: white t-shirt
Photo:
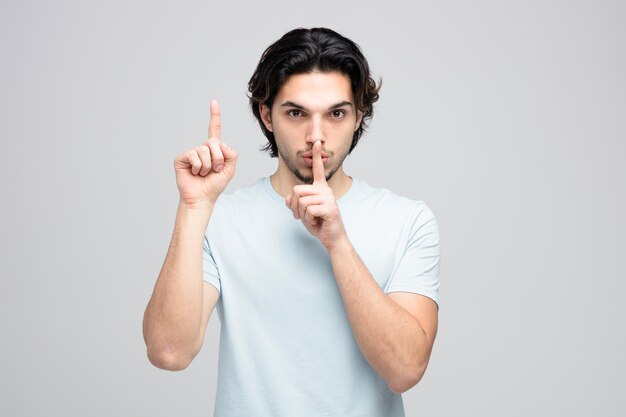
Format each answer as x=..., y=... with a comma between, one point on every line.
x=286, y=346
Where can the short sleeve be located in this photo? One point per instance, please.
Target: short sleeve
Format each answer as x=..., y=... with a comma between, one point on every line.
x=210, y=272
x=417, y=270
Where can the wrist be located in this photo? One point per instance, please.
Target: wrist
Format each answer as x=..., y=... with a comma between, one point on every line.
x=203, y=205
x=340, y=247
x=197, y=213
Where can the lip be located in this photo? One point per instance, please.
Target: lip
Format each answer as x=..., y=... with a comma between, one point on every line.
x=310, y=155
x=309, y=160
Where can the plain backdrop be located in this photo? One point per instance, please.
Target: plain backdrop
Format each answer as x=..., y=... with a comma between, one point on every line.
x=507, y=118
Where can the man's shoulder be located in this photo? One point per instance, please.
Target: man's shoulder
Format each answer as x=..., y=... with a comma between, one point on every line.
x=386, y=198
x=250, y=193
x=241, y=208
x=249, y=203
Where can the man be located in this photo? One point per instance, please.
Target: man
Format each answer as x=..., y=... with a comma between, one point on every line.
x=326, y=288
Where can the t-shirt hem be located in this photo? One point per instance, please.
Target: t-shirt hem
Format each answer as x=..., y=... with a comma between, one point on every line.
x=214, y=284
x=414, y=291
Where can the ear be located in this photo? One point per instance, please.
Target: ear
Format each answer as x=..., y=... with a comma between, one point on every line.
x=266, y=116
x=359, y=119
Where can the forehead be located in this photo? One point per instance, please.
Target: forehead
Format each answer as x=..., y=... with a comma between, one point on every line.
x=315, y=89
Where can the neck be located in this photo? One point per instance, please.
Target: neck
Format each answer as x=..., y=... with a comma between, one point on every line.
x=283, y=181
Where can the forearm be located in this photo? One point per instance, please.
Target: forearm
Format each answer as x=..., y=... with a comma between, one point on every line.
x=173, y=317
x=391, y=340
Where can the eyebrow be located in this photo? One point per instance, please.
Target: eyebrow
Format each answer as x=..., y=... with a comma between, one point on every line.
x=333, y=107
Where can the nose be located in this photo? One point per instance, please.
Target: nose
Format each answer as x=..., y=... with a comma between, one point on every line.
x=315, y=131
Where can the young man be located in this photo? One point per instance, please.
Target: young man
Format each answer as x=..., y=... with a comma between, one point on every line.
x=326, y=288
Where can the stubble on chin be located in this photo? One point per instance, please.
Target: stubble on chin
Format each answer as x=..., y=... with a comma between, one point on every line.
x=305, y=180
x=309, y=180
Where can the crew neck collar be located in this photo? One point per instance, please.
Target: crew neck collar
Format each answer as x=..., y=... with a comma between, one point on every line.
x=273, y=194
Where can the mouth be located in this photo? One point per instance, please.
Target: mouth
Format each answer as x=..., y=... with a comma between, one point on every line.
x=308, y=160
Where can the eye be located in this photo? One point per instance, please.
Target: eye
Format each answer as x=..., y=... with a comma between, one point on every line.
x=338, y=114
x=295, y=113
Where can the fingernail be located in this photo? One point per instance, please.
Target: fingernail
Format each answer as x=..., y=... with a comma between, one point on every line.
x=219, y=168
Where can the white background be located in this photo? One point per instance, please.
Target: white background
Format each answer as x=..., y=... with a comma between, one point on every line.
x=506, y=118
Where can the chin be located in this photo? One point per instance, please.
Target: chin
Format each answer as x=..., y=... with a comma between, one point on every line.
x=309, y=180
x=302, y=178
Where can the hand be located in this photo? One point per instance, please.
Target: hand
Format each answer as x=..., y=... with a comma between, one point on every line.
x=315, y=205
x=202, y=173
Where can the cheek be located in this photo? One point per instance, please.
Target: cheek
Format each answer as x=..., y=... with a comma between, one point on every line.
x=348, y=130
x=290, y=130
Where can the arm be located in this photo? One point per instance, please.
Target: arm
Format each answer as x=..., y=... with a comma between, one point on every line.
x=176, y=317
x=395, y=332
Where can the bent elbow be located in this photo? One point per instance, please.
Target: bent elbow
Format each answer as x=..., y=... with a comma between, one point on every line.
x=405, y=382
x=169, y=361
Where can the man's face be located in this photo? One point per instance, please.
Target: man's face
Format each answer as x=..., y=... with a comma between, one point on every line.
x=310, y=107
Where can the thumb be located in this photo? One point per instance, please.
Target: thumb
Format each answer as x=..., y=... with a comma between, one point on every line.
x=229, y=153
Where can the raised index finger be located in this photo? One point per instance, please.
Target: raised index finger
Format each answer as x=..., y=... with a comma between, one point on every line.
x=214, y=121
x=319, y=175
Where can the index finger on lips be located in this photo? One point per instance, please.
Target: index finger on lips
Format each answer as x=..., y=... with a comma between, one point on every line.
x=215, y=123
x=319, y=175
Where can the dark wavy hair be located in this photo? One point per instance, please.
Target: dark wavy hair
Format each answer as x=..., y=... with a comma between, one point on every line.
x=304, y=51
